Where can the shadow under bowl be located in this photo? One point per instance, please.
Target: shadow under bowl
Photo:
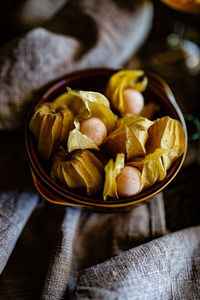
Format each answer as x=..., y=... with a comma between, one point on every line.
x=96, y=80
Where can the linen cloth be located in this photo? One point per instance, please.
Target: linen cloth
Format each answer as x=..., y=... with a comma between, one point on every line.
x=53, y=252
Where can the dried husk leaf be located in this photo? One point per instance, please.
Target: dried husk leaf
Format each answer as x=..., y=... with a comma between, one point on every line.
x=51, y=124
x=112, y=170
x=122, y=80
x=71, y=175
x=88, y=96
x=167, y=133
x=81, y=170
x=149, y=110
x=37, y=119
x=48, y=135
x=56, y=166
x=129, y=137
x=92, y=104
x=65, y=99
x=77, y=140
x=151, y=167
x=67, y=126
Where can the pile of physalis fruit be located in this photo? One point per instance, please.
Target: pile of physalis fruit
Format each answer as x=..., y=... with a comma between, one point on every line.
x=107, y=144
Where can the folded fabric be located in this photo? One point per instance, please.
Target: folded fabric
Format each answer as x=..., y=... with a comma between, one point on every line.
x=81, y=36
x=15, y=209
x=166, y=268
x=58, y=243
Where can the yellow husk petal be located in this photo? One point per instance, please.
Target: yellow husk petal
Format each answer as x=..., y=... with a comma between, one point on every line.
x=37, y=119
x=112, y=170
x=151, y=167
x=64, y=99
x=77, y=140
x=51, y=124
x=67, y=126
x=129, y=137
x=149, y=110
x=167, y=133
x=56, y=167
x=91, y=171
x=88, y=96
x=82, y=170
x=120, y=81
x=72, y=176
x=46, y=137
x=92, y=104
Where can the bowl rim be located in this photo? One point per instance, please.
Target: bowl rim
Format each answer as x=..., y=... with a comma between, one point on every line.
x=76, y=199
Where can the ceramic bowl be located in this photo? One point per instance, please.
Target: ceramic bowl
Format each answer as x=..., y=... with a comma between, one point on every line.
x=96, y=80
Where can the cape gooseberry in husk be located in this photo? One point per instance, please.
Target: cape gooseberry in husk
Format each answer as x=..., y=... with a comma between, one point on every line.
x=151, y=168
x=168, y=134
x=81, y=169
x=112, y=170
x=129, y=137
x=87, y=104
x=51, y=124
x=119, y=82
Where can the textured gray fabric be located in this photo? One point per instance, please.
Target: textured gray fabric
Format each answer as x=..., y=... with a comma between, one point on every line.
x=97, y=238
x=53, y=252
x=115, y=233
x=59, y=270
x=35, y=12
x=17, y=196
x=41, y=55
x=15, y=209
x=58, y=243
x=166, y=268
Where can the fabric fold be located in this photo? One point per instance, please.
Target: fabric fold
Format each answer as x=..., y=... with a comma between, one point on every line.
x=102, y=236
x=58, y=276
x=165, y=268
x=43, y=55
x=15, y=210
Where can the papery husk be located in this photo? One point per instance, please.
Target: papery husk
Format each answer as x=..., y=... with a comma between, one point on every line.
x=92, y=104
x=51, y=124
x=56, y=166
x=65, y=99
x=77, y=140
x=112, y=170
x=122, y=80
x=149, y=110
x=129, y=137
x=80, y=170
x=151, y=167
x=166, y=133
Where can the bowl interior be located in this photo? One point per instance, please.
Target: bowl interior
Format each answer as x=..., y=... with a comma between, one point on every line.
x=96, y=80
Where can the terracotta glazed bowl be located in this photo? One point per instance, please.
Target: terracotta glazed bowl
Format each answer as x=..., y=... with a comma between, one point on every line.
x=96, y=80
